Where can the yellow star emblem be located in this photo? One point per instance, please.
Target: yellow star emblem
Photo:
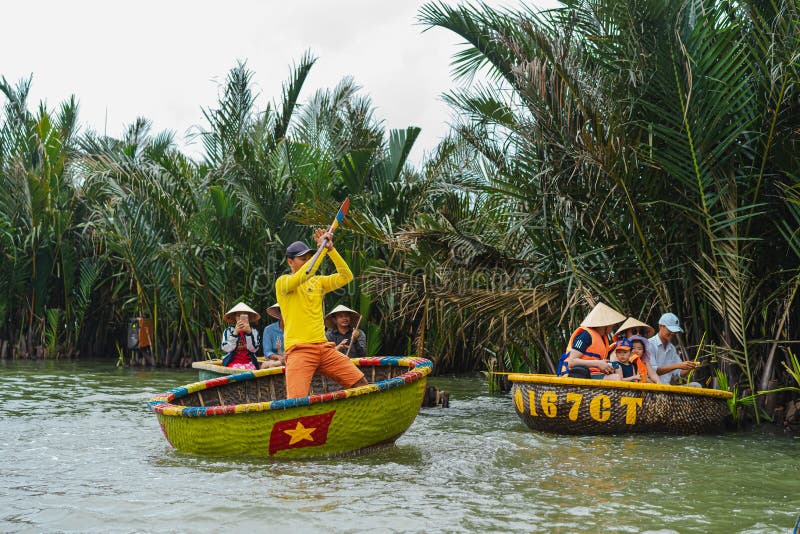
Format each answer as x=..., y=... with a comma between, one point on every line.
x=300, y=433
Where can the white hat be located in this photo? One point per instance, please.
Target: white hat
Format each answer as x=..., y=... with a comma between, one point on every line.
x=354, y=316
x=275, y=311
x=602, y=315
x=241, y=308
x=635, y=323
x=670, y=320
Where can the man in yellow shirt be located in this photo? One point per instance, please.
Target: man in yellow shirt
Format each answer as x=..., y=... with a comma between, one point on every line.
x=300, y=297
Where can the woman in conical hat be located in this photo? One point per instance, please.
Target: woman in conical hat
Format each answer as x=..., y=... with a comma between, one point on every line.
x=232, y=315
x=342, y=330
x=602, y=315
x=634, y=327
x=588, y=346
x=273, y=339
x=240, y=341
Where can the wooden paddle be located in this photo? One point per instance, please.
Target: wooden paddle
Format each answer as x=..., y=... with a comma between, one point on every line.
x=350, y=345
x=342, y=213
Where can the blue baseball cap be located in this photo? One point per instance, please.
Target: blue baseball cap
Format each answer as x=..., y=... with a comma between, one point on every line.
x=624, y=344
x=670, y=320
x=298, y=248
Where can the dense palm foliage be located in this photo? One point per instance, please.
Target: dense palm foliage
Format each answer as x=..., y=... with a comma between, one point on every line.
x=132, y=227
x=641, y=152
x=44, y=256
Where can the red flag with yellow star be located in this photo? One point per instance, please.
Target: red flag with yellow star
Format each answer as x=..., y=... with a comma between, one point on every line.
x=308, y=431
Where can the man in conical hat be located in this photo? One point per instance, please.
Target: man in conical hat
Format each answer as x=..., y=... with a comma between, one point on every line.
x=300, y=297
x=342, y=331
x=240, y=341
x=588, y=346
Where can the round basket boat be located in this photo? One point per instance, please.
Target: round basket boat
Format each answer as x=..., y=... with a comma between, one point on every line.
x=583, y=406
x=248, y=414
x=209, y=369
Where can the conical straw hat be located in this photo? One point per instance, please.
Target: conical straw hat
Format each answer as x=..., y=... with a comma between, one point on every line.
x=635, y=323
x=602, y=315
x=241, y=308
x=354, y=316
x=275, y=311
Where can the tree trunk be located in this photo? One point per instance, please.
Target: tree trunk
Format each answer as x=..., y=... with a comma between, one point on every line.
x=771, y=400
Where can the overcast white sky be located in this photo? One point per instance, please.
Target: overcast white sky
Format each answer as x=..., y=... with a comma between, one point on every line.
x=164, y=60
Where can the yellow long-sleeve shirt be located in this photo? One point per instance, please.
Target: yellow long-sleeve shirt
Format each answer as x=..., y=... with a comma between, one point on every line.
x=301, y=295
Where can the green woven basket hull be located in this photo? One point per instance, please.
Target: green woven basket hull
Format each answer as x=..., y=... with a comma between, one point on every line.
x=332, y=422
x=581, y=406
x=358, y=423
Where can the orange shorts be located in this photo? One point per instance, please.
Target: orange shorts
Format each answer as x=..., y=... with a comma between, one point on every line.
x=305, y=359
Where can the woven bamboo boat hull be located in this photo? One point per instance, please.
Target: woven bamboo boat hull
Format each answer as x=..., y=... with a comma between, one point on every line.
x=583, y=406
x=209, y=369
x=247, y=414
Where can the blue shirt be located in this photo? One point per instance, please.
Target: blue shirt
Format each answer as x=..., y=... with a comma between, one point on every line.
x=272, y=334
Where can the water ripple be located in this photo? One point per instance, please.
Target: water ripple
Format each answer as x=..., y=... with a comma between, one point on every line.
x=80, y=452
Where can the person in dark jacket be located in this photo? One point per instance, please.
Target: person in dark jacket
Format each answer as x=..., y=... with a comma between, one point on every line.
x=342, y=331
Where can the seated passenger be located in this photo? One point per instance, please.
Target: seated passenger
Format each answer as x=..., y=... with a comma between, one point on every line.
x=639, y=350
x=588, y=346
x=240, y=341
x=671, y=368
x=633, y=327
x=342, y=331
x=273, y=340
x=628, y=364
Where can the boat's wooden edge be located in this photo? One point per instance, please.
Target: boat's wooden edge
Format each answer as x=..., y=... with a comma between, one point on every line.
x=615, y=384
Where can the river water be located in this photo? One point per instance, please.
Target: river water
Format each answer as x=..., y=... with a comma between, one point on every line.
x=80, y=452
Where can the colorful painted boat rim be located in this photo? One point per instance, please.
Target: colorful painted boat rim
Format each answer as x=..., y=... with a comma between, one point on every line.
x=162, y=404
x=615, y=384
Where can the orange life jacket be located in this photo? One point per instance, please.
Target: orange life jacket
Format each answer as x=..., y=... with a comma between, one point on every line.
x=598, y=350
x=641, y=368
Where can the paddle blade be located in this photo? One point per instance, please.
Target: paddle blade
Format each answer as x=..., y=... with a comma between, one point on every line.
x=341, y=214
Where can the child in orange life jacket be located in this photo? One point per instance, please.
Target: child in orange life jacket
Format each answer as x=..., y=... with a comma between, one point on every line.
x=624, y=368
x=639, y=353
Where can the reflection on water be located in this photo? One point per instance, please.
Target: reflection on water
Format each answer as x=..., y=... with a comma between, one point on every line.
x=80, y=452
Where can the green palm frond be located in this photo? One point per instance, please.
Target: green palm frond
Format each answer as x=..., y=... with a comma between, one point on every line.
x=480, y=27
x=291, y=92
